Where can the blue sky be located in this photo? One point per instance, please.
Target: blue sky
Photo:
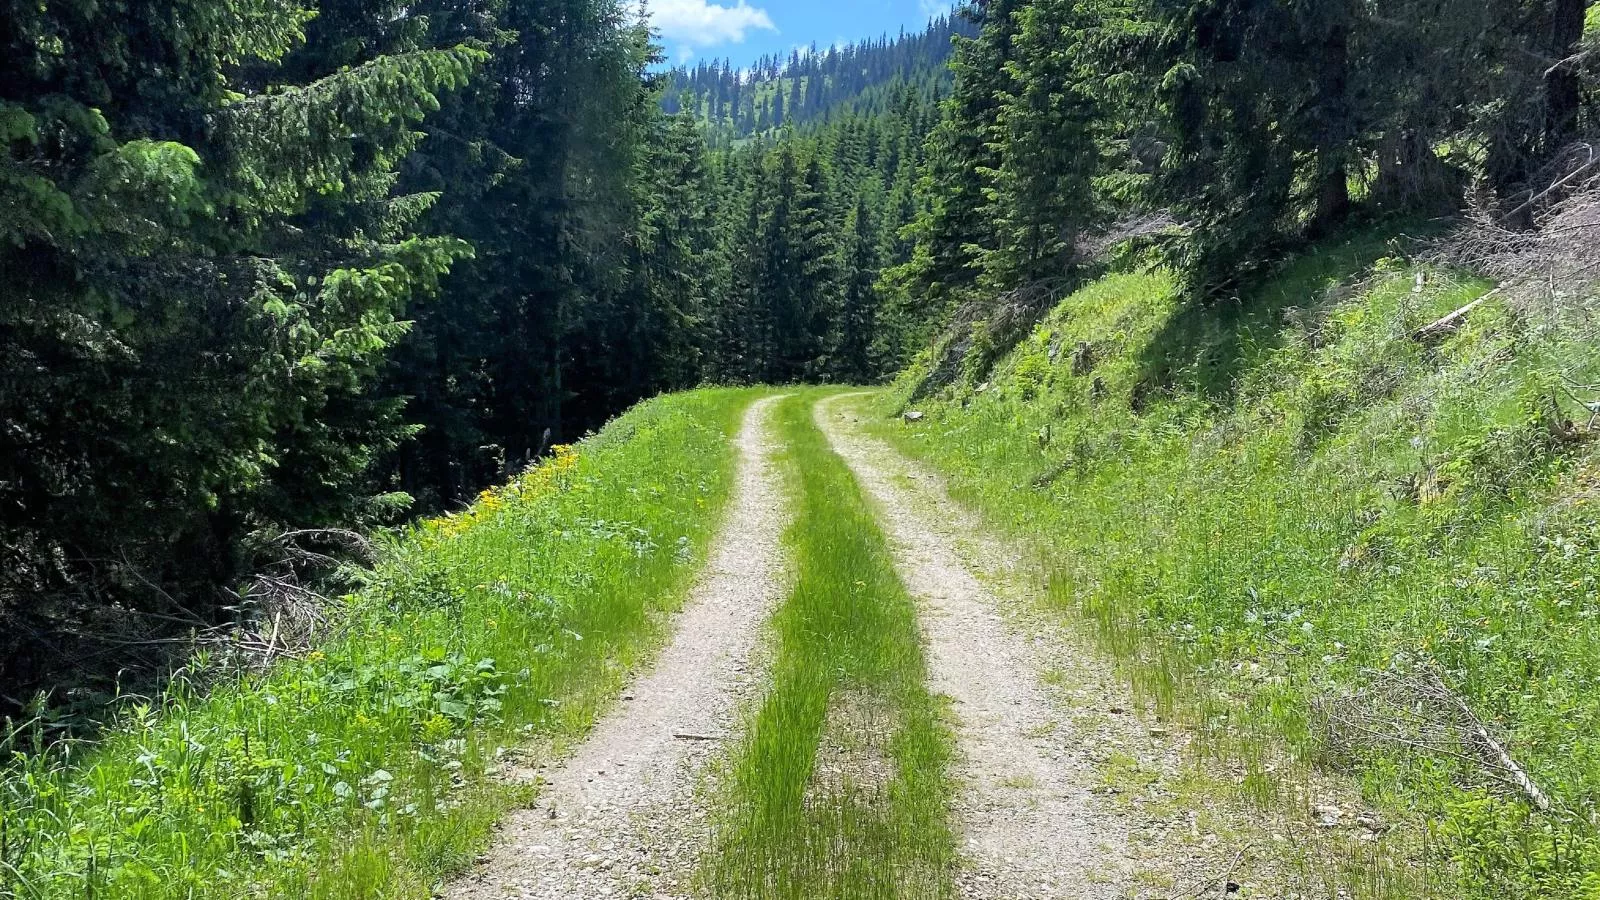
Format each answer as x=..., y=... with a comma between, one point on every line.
x=743, y=30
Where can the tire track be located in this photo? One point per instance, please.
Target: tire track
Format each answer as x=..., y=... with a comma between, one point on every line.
x=1025, y=809
x=620, y=817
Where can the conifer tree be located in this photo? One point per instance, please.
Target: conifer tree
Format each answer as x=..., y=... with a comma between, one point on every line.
x=1257, y=103
x=856, y=326
x=676, y=243
x=963, y=153
x=1043, y=196
x=742, y=317
x=205, y=266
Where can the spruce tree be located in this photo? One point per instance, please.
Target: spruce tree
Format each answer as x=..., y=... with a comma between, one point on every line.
x=963, y=153
x=1257, y=103
x=675, y=245
x=205, y=266
x=856, y=325
x=1043, y=195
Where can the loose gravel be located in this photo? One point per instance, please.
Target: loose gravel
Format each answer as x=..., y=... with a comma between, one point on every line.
x=621, y=817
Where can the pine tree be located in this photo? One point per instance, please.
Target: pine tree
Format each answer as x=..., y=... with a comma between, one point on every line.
x=204, y=273
x=1043, y=194
x=1258, y=104
x=537, y=168
x=796, y=278
x=963, y=154
x=857, y=327
x=676, y=244
x=741, y=315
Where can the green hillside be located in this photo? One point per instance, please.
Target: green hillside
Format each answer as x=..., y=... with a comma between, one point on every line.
x=427, y=470
x=1309, y=532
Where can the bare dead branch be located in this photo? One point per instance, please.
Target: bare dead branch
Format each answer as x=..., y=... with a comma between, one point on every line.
x=1451, y=322
x=1497, y=751
x=1551, y=270
x=1210, y=882
x=1558, y=185
x=1098, y=245
x=1418, y=712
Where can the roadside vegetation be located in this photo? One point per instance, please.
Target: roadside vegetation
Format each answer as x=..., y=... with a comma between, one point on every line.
x=839, y=788
x=282, y=275
x=363, y=766
x=1306, y=521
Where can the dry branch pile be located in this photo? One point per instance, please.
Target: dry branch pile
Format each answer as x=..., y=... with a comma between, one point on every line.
x=1545, y=250
x=1418, y=712
x=279, y=612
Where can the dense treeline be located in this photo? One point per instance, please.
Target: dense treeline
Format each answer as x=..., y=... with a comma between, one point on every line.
x=1215, y=134
x=1224, y=131
x=277, y=271
x=807, y=224
x=206, y=256
x=815, y=85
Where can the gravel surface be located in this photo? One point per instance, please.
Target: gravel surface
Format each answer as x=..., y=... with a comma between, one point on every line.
x=1066, y=788
x=1030, y=819
x=621, y=818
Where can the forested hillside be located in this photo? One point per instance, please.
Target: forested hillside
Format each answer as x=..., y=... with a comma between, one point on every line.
x=1269, y=324
x=815, y=85
x=1220, y=135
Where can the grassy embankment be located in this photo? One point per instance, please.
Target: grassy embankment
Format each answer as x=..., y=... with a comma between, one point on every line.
x=838, y=789
x=362, y=770
x=1286, y=516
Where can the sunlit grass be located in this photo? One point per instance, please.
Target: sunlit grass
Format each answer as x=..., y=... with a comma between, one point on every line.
x=364, y=769
x=839, y=789
x=1260, y=503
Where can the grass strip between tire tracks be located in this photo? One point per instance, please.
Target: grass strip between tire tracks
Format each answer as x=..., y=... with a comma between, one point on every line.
x=839, y=788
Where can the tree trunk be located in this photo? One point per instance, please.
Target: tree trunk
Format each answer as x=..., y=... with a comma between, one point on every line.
x=1333, y=202
x=1333, y=174
x=1412, y=177
x=1563, y=88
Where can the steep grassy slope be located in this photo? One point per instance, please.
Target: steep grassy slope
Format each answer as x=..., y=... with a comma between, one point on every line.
x=1299, y=525
x=361, y=770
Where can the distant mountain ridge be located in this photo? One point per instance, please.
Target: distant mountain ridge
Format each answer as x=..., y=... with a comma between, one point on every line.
x=816, y=85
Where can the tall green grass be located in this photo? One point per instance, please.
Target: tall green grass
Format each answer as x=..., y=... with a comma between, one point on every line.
x=1280, y=501
x=839, y=789
x=364, y=769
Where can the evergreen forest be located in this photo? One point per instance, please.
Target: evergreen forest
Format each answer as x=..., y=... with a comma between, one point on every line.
x=296, y=270
x=299, y=297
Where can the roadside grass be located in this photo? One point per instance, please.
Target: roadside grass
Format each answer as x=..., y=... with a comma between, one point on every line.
x=366, y=769
x=839, y=787
x=1280, y=512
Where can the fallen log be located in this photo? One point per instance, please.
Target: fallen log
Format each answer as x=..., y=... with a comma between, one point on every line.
x=1449, y=324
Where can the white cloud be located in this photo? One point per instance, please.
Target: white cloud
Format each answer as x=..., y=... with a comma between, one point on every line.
x=701, y=23
x=932, y=9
